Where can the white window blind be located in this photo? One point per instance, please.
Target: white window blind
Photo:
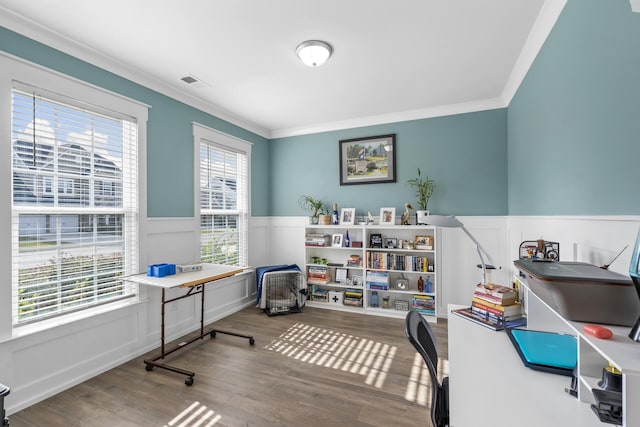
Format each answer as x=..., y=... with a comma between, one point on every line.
x=224, y=204
x=74, y=210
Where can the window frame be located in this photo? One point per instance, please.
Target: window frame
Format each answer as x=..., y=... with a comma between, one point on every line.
x=15, y=73
x=227, y=142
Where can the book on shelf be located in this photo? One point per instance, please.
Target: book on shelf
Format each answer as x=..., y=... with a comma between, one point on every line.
x=495, y=300
x=354, y=261
x=498, y=293
x=488, y=322
x=317, y=240
x=489, y=312
x=378, y=280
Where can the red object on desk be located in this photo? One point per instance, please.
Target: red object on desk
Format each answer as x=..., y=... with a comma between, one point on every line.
x=597, y=331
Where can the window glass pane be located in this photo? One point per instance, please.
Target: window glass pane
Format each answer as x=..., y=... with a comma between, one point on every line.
x=223, y=204
x=73, y=190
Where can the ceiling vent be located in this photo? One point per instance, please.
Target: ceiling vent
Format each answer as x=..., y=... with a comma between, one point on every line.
x=194, y=81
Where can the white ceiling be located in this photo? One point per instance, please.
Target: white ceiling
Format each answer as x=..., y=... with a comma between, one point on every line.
x=393, y=60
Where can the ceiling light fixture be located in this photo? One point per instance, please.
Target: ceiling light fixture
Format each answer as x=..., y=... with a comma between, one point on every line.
x=314, y=52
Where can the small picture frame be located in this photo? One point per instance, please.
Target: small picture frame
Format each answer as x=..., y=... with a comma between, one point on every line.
x=387, y=216
x=390, y=243
x=424, y=242
x=375, y=240
x=347, y=216
x=356, y=280
x=336, y=240
x=341, y=275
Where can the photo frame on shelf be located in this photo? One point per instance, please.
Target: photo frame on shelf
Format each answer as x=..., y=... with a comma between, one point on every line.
x=336, y=240
x=390, y=243
x=341, y=275
x=368, y=160
x=424, y=242
x=387, y=216
x=356, y=280
x=347, y=216
x=375, y=240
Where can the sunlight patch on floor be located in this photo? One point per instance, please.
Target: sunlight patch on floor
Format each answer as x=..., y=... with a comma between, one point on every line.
x=336, y=350
x=419, y=385
x=196, y=415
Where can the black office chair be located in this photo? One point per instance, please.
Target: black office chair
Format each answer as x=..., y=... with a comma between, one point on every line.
x=423, y=339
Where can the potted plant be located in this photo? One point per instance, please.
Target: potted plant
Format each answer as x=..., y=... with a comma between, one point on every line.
x=424, y=190
x=315, y=206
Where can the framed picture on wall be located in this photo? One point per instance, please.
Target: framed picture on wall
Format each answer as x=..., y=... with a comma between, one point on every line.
x=369, y=160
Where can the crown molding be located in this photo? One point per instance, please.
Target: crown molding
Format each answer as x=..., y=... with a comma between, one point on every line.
x=402, y=116
x=53, y=39
x=547, y=18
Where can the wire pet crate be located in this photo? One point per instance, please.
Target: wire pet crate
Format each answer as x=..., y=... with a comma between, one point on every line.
x=283, y=292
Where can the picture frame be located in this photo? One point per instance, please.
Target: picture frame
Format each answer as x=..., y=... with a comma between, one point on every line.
x=336, y=240
x=387, y=216
x=390, y=242
x=356, y=280
x=341, y=275
x=368, y=160
x=424, y=242
x=375, y=240
x=347, y=216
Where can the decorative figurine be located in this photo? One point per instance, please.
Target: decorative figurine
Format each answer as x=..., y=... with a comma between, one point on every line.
x=404, y=219
x=369, y=218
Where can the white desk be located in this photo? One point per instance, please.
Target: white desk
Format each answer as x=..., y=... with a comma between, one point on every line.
x=490, y=386
x=194, y=282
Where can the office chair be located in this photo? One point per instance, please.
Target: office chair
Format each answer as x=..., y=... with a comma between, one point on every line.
x=423, y=339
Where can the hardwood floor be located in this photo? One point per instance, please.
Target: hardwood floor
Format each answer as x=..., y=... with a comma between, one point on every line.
x=315, y=368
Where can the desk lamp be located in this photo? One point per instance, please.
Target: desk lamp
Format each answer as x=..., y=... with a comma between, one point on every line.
x=450, y=221
x=634, y=272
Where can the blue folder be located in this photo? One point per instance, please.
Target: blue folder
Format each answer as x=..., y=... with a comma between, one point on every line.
x=546, y=351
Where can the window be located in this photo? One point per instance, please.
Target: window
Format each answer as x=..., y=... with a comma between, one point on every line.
x=74, y=216
x=223, y=175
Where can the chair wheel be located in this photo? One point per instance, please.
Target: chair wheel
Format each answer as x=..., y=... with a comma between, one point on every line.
x=148, y=367
x=252, y=341
x=189, y=381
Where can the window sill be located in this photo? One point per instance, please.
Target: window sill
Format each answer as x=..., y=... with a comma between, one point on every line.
x=26, y=330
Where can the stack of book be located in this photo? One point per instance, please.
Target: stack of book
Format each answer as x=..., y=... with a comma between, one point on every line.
x=378, y=280
x=320, y=295
x=495, y=307
x=354, y=261
x=353, y=297
x=313, y=239
x=424, y=304
x=318, y=275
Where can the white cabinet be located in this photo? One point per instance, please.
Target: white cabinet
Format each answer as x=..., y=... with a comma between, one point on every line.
x=390, y=270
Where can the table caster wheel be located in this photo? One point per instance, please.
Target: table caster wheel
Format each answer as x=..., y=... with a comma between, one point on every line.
x=252, y=341
x=212, y=334
x=189, y=381
x=148, y=367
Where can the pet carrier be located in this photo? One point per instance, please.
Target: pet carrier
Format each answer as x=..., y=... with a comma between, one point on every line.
x=283, y=292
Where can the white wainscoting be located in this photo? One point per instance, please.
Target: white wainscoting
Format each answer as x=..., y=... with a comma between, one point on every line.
x=81, y=349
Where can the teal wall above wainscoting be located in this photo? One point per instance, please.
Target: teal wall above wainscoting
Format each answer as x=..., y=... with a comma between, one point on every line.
x=574, y=124
x=567, y=144
x=170, y=173
x=465, y=154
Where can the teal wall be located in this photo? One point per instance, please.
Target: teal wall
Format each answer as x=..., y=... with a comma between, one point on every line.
x=170, y=174
x=567, y=144
x=465, y=154
x=574, y=124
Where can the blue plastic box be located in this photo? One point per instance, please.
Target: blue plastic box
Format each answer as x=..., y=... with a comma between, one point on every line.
x=161, y=270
